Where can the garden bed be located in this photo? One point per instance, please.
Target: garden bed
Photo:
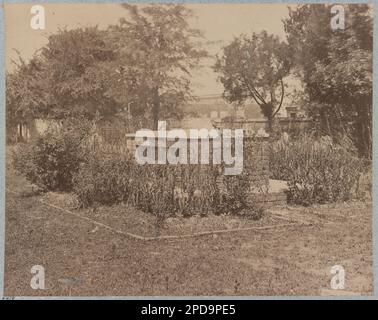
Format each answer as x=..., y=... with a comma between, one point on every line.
x=126, y=219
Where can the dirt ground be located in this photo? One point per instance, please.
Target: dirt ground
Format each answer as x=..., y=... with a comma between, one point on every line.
x=83, y=259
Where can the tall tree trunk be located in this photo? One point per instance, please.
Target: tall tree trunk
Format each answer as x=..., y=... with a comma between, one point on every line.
x=273, y=105
x=270, y=125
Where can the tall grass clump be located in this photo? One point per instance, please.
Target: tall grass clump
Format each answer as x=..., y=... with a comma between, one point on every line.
x=317, y=169
x=162, y=190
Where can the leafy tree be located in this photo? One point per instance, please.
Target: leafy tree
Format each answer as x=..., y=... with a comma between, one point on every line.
x=143, y=62
x=336, y=68
x=156, y=51
x=253, y=67
x=17, y=98
x=64, y=79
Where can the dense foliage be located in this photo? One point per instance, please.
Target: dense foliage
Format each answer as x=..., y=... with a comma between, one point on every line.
x=52, y=159
x=317, y=170
x=253, y=67
x=143, y=62
x=336, y=69
x=163, y=189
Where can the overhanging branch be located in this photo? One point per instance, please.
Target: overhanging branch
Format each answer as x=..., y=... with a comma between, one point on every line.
x=255, y=95
x=282, y=96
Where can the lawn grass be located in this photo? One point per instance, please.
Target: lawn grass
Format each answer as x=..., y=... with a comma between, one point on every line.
x=295, y=260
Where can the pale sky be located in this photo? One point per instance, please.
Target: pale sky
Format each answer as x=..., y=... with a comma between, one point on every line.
x=219, y=22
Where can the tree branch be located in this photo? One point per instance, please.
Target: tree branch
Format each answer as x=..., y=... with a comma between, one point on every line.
x=253, y=95
x=282, y=96
x=252, y=90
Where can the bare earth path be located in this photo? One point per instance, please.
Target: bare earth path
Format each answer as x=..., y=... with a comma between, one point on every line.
x=81, y=259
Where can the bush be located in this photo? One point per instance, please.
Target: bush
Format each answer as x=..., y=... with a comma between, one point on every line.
x=68, y=158
x=103, y=180
x=162, y=190
x=317, y=170
x=236, y=198
x=153, y=188
x=51, y=160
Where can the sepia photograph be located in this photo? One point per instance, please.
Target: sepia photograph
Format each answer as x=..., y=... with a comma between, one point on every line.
x=188, y=150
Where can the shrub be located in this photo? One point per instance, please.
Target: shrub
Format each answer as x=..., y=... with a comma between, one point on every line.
x=236, y=198
x=51, y=160
x=103, y=180
x=71, y=157
x=162, y=190
x=317, y=170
